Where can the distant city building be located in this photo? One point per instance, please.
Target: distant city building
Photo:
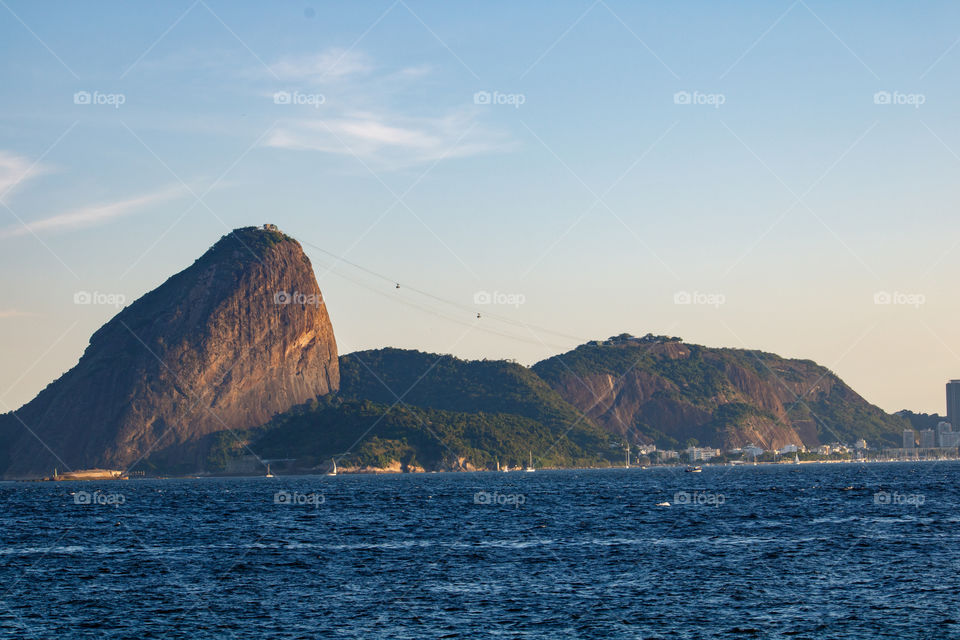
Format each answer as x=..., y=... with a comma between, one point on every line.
x=860, y=444
x=928, y=439
x=701, y=453
x=942, y=428
x=947, y=438
x=790, y=448
x=909, y=439
x=824, y=450
x=667, y=454
x=950, y=440
x=752, y=451
x=945, y=434
x=953, y=402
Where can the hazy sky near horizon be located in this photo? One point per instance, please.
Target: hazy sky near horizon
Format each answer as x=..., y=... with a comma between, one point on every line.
x=790, y=169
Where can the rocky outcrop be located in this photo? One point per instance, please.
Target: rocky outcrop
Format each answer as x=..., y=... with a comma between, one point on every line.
x=237, y=337
x=658, y=389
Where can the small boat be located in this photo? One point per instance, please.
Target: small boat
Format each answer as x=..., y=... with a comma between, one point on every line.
x=269, y=475
x=334, y=472
x=663, y=504
x=796, y=458
x=529, y=468
x=697, y=469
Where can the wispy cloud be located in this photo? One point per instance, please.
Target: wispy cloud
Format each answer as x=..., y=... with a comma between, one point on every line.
x=332, y=64
x=15, y=170
x=363, y=114
x=95, y=214
x=390, y=140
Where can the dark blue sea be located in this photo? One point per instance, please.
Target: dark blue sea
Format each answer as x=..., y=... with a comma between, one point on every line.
x=808, y=551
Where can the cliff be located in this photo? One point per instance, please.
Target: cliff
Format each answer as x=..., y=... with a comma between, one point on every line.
x=237, y=337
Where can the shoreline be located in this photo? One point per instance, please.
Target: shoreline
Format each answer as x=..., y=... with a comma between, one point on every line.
x=85, y=476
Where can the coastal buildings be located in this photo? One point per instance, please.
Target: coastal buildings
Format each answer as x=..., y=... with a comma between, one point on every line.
x=697, y=454
x=909, y=439
x=946, y=436
x=928, y=439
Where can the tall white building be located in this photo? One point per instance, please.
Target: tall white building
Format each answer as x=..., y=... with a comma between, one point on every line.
x=909, y=439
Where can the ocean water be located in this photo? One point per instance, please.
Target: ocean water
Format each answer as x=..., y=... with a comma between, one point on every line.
x=808, y=551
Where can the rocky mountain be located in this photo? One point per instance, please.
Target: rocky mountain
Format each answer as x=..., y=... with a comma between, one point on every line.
x=239, y=336
x=407, y=410
x=659, y=389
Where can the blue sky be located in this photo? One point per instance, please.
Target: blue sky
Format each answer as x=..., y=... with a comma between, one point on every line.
x=629, y=154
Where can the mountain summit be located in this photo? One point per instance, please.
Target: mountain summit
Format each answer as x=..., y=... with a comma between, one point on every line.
x=239, y=336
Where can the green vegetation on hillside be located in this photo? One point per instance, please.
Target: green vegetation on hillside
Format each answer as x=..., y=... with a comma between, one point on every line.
x=361, y=433
x=921, y=421
x=451, y=384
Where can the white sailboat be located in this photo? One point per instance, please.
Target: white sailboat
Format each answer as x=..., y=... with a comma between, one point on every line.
x=529, y=468
x=269, y=475
x=334, y=472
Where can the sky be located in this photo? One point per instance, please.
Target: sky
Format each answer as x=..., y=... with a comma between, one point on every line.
x=768, y=175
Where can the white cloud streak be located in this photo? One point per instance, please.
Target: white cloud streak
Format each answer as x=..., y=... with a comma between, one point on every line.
x=95, y=214
x=390, y=140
